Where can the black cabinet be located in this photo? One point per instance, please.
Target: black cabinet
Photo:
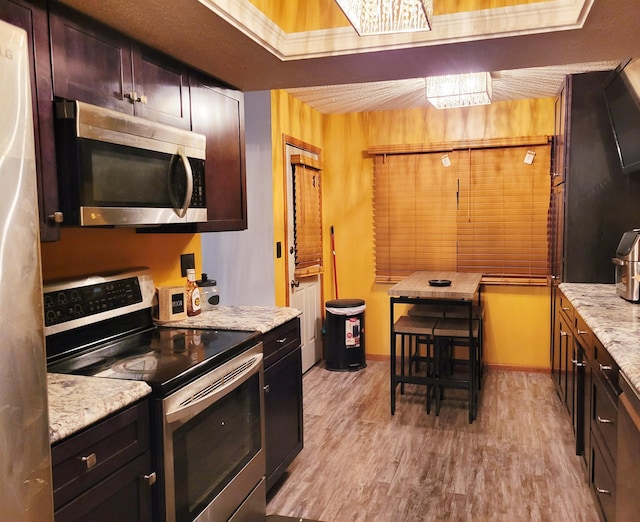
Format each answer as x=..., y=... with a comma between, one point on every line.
x=627, y=470
x=96, y=65
x=218, y=113
x=282, y=398
x=104, y=472
x=32, y=17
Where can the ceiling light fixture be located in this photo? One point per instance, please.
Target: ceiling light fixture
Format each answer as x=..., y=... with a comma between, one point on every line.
x=387, y=16
x=459, y=90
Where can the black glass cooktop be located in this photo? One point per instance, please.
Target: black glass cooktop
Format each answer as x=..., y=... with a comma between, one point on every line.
x=165, y=358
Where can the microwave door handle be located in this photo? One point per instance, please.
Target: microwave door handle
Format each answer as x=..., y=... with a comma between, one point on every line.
x=189, y=178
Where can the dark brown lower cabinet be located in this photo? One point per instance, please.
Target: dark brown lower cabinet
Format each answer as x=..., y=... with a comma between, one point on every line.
x=282, y=399
x=104, y=473
x=628, y=470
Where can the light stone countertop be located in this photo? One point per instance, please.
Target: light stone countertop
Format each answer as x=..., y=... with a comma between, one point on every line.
x=250, y=318
x=614, y=321
x=76, y=401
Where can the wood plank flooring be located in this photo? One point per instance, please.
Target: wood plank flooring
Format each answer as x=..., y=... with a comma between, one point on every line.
x=359, y=463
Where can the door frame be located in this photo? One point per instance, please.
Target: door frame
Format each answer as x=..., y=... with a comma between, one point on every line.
x=295, y=142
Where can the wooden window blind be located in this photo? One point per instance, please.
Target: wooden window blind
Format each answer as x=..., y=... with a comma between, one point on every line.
x=307, y=216
x=415, y=215
x=503, y=213
x=484, y=212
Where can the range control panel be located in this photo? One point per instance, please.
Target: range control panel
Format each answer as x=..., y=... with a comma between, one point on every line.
x=65, y=305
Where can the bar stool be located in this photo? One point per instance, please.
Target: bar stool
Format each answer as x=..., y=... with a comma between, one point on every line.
x=449, y=334
x=477, y=312
x=414, y=332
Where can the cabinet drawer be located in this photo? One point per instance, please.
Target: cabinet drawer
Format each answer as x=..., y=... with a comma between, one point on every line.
x=81, y=461
x=606, y=367
x=604, y=417
x=583, y=335
x=603, y=483
x=564, y=306
x=280, y=341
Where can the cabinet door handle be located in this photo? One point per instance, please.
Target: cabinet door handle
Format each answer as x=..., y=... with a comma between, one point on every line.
x=563, y=333
x=605, y=367
x=133, y=97
x=281, y=341
x=577, y=363
x=89, y=460
x=602, y=491
x=566, y=309
x=266, y=388
x=582, y=332
x=602, y=420
x=150, y=478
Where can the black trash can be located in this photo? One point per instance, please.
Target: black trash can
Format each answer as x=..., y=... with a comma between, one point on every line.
x=344, y=335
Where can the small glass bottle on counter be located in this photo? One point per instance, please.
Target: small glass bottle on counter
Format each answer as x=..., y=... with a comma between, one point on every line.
x=193, y=293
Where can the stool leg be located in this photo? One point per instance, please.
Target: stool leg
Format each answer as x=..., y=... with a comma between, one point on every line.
x=402, y=348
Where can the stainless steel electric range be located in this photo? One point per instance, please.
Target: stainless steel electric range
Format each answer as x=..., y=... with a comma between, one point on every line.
x=208, y=407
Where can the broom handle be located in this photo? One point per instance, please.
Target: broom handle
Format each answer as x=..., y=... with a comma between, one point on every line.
x=335, y=271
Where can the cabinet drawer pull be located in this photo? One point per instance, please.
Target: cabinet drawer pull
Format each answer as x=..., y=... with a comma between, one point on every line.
x=563, y=333
x=150, y=478
x=281, y=341
x=602, y=420
x=90, y=460
x=566, y=309
x=602, y=491
x=582, y=332
x=605, y=367
x=577, y=363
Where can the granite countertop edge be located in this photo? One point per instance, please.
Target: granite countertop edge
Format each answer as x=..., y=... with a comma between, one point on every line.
x=76, y=401
x=614, y=321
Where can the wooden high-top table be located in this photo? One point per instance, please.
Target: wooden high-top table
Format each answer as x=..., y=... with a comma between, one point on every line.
x=415, y=289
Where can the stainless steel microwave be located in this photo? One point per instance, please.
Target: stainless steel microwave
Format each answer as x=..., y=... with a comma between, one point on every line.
x=119, y=170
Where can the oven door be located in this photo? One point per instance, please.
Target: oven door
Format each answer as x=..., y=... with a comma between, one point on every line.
x=214, y=459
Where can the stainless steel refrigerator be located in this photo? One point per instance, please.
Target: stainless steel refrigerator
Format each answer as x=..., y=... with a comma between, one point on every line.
x=25, y=461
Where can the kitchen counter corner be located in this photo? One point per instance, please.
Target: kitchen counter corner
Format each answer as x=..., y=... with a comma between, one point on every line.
x=77, y=401
x=248, y=318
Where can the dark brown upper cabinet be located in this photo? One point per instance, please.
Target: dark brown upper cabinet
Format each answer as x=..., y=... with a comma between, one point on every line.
x=218, y=113
x=32, y=17
x=97, y=65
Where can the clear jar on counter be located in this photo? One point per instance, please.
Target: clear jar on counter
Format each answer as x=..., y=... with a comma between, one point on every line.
x=210, y=298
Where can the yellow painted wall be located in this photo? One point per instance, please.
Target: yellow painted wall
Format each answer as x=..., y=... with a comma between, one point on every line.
x=289, y=117
x=89, y=250
x=517, y=320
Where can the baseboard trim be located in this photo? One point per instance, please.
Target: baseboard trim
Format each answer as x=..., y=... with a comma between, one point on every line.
x=492, y=366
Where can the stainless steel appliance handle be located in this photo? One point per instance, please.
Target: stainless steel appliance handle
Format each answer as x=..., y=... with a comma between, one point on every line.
x=189, y=178
x=202, y=399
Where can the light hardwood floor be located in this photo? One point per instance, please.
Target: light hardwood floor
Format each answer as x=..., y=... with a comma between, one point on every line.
x=359, y=463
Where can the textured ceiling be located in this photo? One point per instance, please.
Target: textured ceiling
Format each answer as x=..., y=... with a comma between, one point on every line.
x=526, y=47
x=538, y=82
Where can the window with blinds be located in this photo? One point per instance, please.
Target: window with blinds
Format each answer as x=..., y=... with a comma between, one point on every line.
x=307, y=216
x=475, y=210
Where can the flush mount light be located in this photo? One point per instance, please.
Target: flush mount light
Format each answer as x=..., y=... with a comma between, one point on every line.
x=459, y=90
x=387, y=16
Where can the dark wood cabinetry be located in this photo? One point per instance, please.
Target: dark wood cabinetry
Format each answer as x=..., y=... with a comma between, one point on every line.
x=628, y=447
x=218, y=113
x=283, y=398
x=104, y=473
x=96, y=65
x=32, y=17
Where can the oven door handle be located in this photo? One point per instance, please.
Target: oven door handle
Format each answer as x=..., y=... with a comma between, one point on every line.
x=204, y=398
